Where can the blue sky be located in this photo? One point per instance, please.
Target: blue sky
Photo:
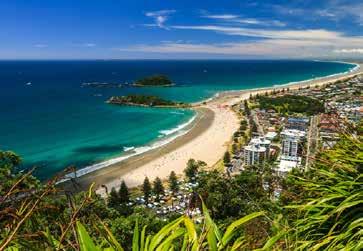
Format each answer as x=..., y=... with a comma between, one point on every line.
x=173, y=29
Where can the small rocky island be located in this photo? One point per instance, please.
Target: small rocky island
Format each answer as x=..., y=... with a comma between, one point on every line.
x=154, y=81
x=145, y=101
x=102, y=85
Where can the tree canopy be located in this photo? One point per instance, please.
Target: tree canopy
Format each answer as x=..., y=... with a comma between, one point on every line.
x=292, y=104
x=156, y=80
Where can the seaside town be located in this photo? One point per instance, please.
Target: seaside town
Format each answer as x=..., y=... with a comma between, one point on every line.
x=281, y=133
x=290, y=136
x=181, y=125
x=282, y=129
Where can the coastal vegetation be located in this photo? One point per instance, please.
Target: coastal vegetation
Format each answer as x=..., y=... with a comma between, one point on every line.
x=320, y=209
x=289, y=104
x=156, y=80
x=144, y=100
x=173, y=182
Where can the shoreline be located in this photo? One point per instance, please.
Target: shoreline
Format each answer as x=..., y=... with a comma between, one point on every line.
x=159, y=161
x=200, y=122
x=358, y=69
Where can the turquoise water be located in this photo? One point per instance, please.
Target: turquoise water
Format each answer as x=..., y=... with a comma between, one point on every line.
x=54, y=122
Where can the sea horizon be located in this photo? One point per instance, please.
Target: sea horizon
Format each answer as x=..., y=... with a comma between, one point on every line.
x=100, y=153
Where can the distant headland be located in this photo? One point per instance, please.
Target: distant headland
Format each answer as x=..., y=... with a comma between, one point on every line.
x=146, y=101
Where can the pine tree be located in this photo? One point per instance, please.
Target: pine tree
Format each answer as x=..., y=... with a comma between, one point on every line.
x=173, y=182
x=113, y=199
x=192, y=169
x=146, y=189
x=227, y=158
x=234, y=148
x=158, y=188
x=247, y=109
x=123, y=193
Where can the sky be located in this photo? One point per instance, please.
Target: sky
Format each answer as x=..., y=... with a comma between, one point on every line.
x=181, y=29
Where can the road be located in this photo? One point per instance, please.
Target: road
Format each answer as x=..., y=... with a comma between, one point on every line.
x=312, y=140
x=259, y=126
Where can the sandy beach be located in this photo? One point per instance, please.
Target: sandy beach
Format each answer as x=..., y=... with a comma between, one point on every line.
x=207, y=140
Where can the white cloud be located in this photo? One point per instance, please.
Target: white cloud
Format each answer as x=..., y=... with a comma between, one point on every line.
x=40, y=45
x=88, y=45
x=248, y=21
x=260, y=22
x=266, y=37
x=356, y=50
x=160, y=17
x=315, y=34
x=222, y=16
x=325, y=13
x=267, y=43
x=262, y=48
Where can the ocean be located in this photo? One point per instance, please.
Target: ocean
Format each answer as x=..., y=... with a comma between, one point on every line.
x=52, y=121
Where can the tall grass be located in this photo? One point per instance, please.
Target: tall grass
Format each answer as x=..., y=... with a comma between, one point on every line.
x=330, y=213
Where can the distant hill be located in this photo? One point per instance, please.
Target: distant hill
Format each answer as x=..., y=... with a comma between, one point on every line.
x=156, y=80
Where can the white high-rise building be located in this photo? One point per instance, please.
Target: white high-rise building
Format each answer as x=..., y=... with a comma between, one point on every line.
x=254, y=154
x=291, y=143
x=262, y=142
x=291, y=148
x=257, y=151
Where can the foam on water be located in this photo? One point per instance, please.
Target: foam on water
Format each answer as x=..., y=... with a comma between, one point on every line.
x=177, y=132
x=127, y=149
x=179, y=127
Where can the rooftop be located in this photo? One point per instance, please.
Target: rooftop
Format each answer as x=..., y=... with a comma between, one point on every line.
x=293, y=133
x=255, y=148
x=286, y=165
x=260, y=141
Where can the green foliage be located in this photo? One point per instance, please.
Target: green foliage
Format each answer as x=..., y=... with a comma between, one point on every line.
x=235, y=196
x=183, y=234
x=143, y=100
x=173, y=182
x=8, y=176
x=289, y=104
x=332, y=211
x=113, y=199
x=123, y=193
x=325, y=205
x=85, y=241
x=156, y=80
x=253, y=126
x=242, y=128
x=247, y=108
x=192, y=168
x=322, y=210
x=234, y=148
x=226, y=158
x=118, y=199
x=158, y=188
x=146, y=189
